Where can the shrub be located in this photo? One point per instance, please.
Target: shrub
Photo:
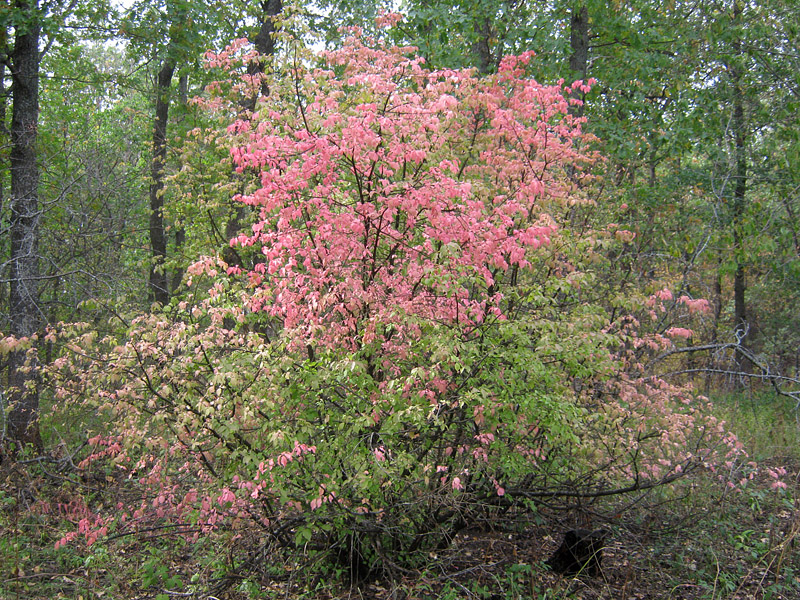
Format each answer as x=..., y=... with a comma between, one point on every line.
x=417, y=347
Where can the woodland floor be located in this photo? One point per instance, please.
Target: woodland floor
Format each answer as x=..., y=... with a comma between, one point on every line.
x=701, y=541
x=736, y=545
x=743, y=546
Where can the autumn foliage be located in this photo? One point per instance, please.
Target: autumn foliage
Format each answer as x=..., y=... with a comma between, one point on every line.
x=415, y=347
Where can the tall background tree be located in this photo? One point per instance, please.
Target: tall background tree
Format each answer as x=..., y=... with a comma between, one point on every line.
x=25, y=311
x=31, y=32
x=174, y=35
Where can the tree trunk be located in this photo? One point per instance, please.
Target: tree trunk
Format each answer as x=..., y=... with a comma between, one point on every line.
x=739, y=191
x=741, y=325
x=579, y=59
x=579, y=65
x=482, y=47
x=265, y=44
x=4, y=140
x=3, y=127
x=579, y=42
x=159, y=288
x=717, y=303
x=24, y=309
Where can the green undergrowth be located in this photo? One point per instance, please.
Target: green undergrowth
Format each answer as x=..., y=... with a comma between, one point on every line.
x=766, y=423
x=698, y=540
x=715, y=542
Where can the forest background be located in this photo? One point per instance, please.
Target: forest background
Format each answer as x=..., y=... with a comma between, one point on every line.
x=661, y=266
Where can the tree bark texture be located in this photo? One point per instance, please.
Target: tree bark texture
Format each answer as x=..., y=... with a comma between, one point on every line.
x=579, y=42
x=24, y=310
x=579, y=59
x=3, y=116
x=482, y=47
x=265, y=44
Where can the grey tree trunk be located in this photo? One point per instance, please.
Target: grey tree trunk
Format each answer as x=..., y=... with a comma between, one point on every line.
x=180, y=232
x=3, y=127
x=24, y=310
x=578, y=63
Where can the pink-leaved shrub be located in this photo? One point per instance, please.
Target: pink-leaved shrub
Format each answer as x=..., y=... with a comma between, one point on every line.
x=413, y=349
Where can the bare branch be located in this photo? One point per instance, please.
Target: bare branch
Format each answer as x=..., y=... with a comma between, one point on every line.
x=764, y=371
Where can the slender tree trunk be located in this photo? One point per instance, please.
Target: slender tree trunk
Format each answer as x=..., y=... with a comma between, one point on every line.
x=265, y=44
x=159, y=287
x=739, y=124
x=739, y=191
x=717, y=303
x=4, y=138
x=579, y=42
x=3, y=114
x=579, y=65
x=24, y=309
x=482, y=47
